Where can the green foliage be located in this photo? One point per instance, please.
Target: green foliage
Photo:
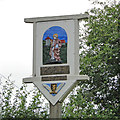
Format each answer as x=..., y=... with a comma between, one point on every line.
x=78, y=107
x=63, y=53
x=97, y=98
x=6, y=101
x=15, y=105
x=46, y=56
x=101, y=58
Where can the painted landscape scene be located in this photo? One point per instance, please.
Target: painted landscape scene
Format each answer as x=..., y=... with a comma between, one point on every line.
x=55, y=46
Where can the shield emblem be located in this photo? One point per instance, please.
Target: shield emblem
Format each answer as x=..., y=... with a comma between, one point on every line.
x=53, y=88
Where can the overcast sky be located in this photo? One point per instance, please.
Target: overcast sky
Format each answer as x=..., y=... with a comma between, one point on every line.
x=16, y=37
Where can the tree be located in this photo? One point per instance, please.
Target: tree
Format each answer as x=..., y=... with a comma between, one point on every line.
x=101, y=58
x=99, y=97
x=96, y=98
x=15, y=103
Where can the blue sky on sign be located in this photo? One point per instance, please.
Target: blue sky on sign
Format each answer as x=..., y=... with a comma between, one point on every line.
x=62, y=35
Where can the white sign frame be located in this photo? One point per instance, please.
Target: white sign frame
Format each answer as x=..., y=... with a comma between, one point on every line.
x=71, y=25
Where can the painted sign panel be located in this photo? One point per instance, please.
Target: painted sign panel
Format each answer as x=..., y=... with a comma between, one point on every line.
x=55, y=46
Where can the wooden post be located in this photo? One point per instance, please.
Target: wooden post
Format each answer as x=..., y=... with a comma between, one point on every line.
x=55, y=110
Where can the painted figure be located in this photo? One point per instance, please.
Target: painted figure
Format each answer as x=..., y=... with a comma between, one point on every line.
x=53, y=88
x=55, y=48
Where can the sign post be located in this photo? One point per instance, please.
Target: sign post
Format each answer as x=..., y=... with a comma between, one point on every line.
x=55, y=110
x=55, y=58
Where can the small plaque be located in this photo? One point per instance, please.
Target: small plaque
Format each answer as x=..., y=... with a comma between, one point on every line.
x=54, y=70
x=54, y=78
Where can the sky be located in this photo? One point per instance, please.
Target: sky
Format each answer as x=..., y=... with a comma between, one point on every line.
x=16, y=36
x=62, y=35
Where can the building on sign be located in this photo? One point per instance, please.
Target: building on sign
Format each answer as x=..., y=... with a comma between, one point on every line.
x=63, y=42
x=48, y=41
